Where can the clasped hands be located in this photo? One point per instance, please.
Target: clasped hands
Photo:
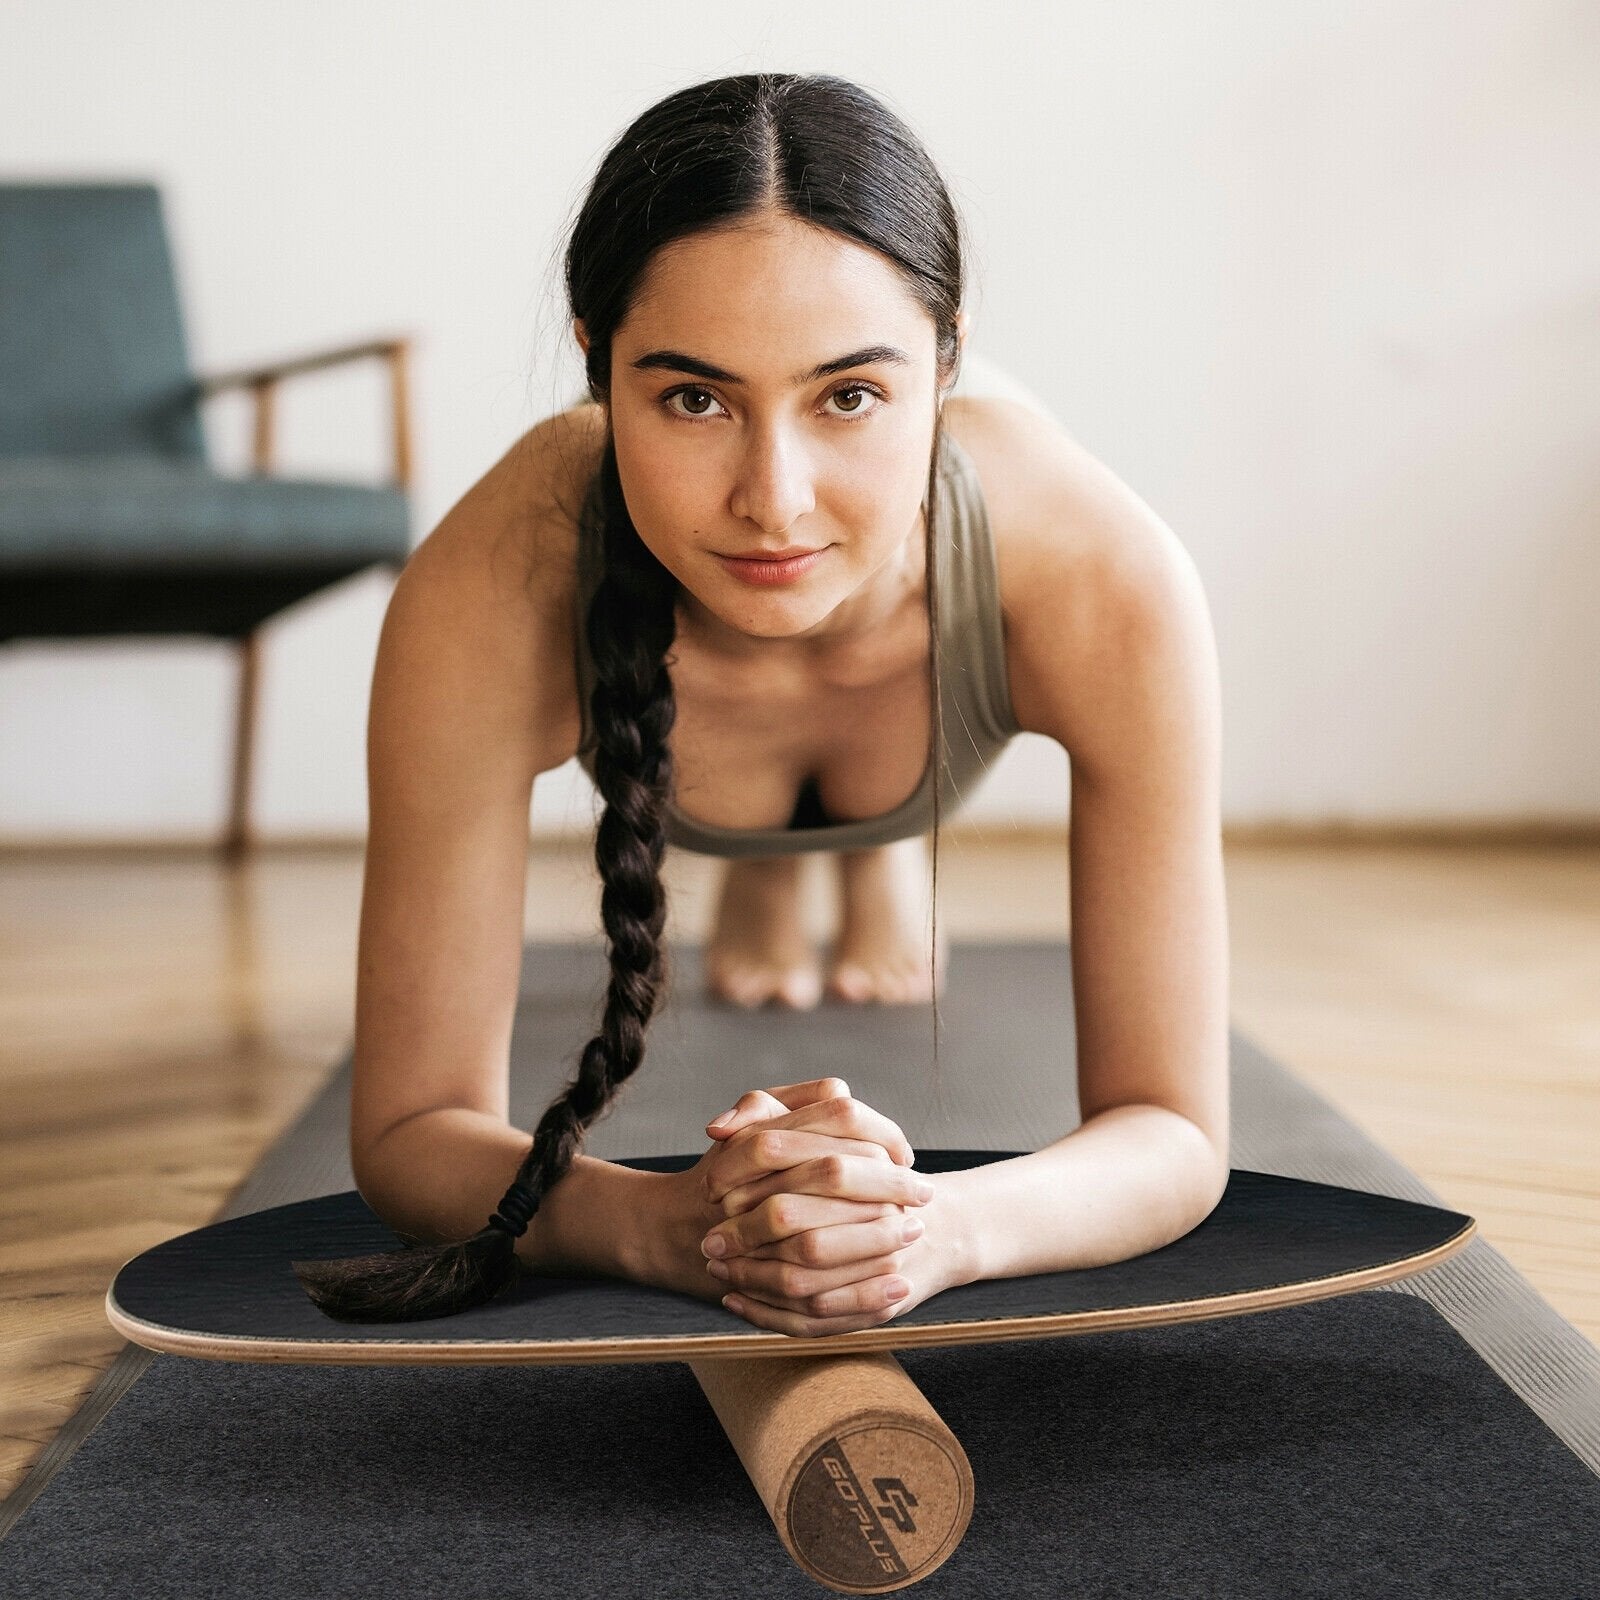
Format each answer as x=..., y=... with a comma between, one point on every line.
x=816, y=1222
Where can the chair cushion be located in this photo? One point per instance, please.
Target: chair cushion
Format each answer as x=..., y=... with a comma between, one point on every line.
x=92, y=355
x=61, y=510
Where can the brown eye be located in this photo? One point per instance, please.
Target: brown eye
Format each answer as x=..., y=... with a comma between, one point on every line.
x=851, y=397
x=698, y=402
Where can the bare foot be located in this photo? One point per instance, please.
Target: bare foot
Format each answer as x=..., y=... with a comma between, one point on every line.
x=759, y=950
x=882, y=949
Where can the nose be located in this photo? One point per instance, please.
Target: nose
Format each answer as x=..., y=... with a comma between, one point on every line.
x=774, y=488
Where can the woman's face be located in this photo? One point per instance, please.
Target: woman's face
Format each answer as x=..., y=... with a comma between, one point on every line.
x=733, y=441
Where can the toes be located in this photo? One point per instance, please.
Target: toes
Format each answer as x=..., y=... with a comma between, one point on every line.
x=750, y=987
x=737, y=985
x=850, y=981
x=898, y=987
x=889, y=984
x=801, y=988
x=750, y=992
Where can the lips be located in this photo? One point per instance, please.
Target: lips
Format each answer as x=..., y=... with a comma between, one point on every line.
x=775, y=555
x=773, y=567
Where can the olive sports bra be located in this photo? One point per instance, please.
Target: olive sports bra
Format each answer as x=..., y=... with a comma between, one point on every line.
x=978, y=719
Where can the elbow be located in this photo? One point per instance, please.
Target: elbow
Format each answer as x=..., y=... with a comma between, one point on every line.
x=1218, y=1170
x=1207, y=1131
x=367, y=1169
x=1218, y=1161
x=1206, y=1181
x=370, y=1185
x=1209, y=1166
x=376, y=1184
x=1193, y=1167
x=1211, y=1196
x=381, y=1199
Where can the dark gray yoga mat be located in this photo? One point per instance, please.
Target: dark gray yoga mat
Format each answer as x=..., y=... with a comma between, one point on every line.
x=1437, y=1437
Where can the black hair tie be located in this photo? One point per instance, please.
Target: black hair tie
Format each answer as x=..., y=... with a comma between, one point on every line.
x=516, y=1208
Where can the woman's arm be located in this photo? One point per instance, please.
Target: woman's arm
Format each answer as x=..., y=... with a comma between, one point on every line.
x=441, y=1173
x=473, y=695
x=1111, y=654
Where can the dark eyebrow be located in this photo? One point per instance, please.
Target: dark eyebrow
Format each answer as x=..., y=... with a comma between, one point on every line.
x=677, y=361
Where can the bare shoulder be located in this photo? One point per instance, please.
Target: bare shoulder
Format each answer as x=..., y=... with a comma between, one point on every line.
x=1054, y=508
x=1089, y=573
x=487, y=597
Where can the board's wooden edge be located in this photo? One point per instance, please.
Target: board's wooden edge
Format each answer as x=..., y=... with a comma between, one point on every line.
x=505, y=1352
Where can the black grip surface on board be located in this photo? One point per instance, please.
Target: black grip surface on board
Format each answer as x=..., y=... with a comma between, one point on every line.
x=233, y=1279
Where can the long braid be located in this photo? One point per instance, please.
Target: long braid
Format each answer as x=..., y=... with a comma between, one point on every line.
x=630, y=626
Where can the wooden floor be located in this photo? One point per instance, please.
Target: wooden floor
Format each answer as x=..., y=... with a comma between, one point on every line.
x=161, y=1020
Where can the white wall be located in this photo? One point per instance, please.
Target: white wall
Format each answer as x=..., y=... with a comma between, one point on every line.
x=1321, y=283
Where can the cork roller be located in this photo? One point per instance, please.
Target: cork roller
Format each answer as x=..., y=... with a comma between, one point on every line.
x=868, y=1488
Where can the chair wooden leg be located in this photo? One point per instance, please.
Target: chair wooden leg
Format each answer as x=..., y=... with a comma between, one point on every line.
x=238, y=839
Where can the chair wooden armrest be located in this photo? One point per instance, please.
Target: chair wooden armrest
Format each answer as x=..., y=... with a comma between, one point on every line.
x=263, y=384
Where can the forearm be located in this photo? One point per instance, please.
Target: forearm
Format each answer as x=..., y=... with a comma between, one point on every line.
x=1127, y=1181
x=439, y=1177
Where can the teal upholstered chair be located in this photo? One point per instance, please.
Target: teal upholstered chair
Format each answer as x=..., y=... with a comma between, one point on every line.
x=111, y=521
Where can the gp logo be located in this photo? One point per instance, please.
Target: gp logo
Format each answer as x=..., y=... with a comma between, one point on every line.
x=894, y=1502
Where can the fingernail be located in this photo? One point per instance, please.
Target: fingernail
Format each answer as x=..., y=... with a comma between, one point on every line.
x=897, y=1289
x=924, y=1191
x=726, y=1117
x=912, y=1230
x=714, y=1245
x=717, y=1269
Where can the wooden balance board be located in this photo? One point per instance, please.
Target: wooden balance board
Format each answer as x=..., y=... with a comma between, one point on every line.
x=867, y=1487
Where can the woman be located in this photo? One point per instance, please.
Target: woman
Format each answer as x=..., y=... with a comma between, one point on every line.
x=766, y=282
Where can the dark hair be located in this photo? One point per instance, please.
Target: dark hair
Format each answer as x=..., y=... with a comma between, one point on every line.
x=814, y=147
